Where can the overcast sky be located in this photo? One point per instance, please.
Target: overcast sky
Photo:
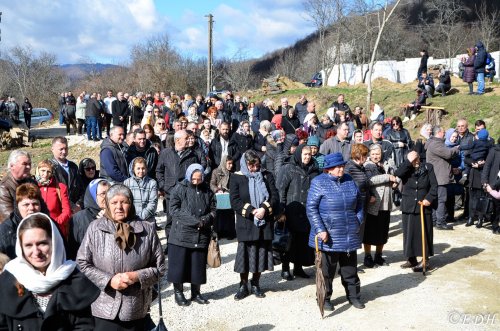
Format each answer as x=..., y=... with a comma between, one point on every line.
x=104, y=30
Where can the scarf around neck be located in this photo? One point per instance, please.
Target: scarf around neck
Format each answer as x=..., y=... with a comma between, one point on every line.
x=256, y=186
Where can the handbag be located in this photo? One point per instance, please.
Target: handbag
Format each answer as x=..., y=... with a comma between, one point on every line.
x=161, y=325
x=282, y=237
x=213, y=256
x=223, y=201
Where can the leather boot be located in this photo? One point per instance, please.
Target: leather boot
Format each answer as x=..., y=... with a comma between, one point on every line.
x=480, y=223
x=180, y=299
x=196, y=295
x=255, y=289
x=242, y=292
x=285, y=272
x=470, y=222
x=356, y=303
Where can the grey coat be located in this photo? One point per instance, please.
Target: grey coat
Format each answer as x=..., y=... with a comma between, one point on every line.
x=334, y=145
x=439, y=155
x=145, y=192
x=100, y=258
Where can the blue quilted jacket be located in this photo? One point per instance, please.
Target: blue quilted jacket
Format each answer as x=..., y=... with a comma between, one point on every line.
x=335, y=205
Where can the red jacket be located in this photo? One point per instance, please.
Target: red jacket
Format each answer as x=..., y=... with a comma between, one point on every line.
x=58, y=204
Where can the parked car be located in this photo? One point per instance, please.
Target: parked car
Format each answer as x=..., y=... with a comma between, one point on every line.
x=39, y=116
x=316, y=80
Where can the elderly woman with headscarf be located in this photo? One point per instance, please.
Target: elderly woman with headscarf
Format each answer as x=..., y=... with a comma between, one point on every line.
x=241, y=141
x=122, y=256
x=192, y=206
x=294, y=186
x=425, y=134
x=219, y=183
x=255, y=200
x=40, y=289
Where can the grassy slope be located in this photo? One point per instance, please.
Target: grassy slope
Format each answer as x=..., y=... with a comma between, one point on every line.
x=392, y=95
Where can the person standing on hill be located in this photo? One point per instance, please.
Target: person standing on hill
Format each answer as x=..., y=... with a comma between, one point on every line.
x=423, y=63
x=479, y=67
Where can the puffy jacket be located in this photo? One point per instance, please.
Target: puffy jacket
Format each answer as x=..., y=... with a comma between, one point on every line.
x=100, y=258
x=469, y=72
x=335, y=205
x=113, y=162
x=145, y=192
x=358, y=174
x=68, y=308
x=188, y=204
x=79, y=224
x=293, y=190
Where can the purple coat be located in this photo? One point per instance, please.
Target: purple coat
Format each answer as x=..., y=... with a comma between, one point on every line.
x=469, y=72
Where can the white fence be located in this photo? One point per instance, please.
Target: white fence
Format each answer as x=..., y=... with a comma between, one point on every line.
x=395, y=71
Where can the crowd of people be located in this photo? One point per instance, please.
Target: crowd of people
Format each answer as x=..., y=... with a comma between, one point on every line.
x=230, y=168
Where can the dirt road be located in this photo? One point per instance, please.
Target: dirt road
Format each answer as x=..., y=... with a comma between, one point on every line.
x=461, y=293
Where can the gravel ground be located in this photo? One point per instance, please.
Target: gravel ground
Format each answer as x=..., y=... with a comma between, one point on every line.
x=460, y=293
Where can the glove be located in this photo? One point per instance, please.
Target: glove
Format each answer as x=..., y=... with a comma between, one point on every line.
x=204, y=221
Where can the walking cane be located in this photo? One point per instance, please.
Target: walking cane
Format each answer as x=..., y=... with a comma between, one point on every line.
x=422, y=224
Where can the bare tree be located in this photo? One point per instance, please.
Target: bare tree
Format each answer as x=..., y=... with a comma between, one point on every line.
x=489, y=29
x=34, y=76
x=287, y=64
x=383, y=17
x=237, y=72
x=324, y=14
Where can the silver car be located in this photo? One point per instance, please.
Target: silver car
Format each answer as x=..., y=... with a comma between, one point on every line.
x=39, y=116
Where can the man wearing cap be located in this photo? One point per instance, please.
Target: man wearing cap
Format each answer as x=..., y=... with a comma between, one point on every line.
x=335, y=211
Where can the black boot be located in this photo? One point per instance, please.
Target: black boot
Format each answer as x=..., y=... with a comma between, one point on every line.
x=379, y=259
x=285, y=272
x=196, y=295
x=470, y=222
x=299, y=272
x=255, y=289
x=368, y=261
x=356, y=303
x=242, y=292
x=328, y=305
x=480, y=223
x=180, y=299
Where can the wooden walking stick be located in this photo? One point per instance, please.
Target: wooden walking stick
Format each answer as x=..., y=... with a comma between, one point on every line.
x=422, y=224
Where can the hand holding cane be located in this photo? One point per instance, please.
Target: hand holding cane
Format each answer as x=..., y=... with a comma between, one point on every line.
x=422, y=225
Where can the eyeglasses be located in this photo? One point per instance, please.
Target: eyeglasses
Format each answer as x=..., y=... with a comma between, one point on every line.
x=395, y=124
x=90, y=168
x=159, y=123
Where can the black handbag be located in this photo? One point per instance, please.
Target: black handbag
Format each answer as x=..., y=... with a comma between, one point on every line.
x=397, y=197
x=282, y=237
x=161, y=325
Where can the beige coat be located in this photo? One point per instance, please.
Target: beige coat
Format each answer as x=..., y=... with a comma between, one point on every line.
x=100, y=258
x=380, y=188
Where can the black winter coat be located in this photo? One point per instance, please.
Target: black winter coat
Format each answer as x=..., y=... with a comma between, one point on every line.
x=480, y=60
x=68, y=308
x=272, y=153
x=74, y=183
x=325, y=131
x=93, y=108
x=79, y=224
x=293, y=190
x=113, y=168
x=289, y=125
x=240, y=203
x=238, y=145
x=395, y=137
x=188, y=205
x=172, y=168
x=149, y=154
x=417, y=187
x=491, y=166
x=265, y=114
x=8, y=234
x=358, y=174
x=258, y=143
x=216, y=151
x=120, y=108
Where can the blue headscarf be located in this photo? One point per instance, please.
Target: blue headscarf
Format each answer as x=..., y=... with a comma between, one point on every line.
x=448, y=135
x=257, y=188
x=191, y=169
x=93, y=185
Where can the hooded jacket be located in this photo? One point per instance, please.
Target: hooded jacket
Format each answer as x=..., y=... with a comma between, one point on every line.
x=145, y=192
x=480, y=59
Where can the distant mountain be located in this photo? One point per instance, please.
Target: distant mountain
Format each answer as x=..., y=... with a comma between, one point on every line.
x=80, y=70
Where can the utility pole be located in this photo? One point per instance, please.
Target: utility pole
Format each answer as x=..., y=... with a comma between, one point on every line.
x=209, y=58
x=0, y=34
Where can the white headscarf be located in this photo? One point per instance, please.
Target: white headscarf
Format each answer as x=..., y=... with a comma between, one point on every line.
x=58, y=270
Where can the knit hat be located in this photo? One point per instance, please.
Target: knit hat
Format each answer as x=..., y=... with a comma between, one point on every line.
x=313, y=141
x=483, y=134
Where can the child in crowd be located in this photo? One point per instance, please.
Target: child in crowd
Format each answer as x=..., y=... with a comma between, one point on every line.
x=479, y=149
x=411, y=109
x=144, y=189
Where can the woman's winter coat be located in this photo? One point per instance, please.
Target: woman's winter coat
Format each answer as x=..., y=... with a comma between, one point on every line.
x=56, y=197
x=290, y=124
x=380, y=188
x=293, y=191
x=395, y=137
x=334, y=205
x=418, y=184
x=100, y=258
x=189, y=205
x=358, y=174
x=469, y=72
x=240, y=202
x=68, y=308
x=145, y=192
x=220, y=177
